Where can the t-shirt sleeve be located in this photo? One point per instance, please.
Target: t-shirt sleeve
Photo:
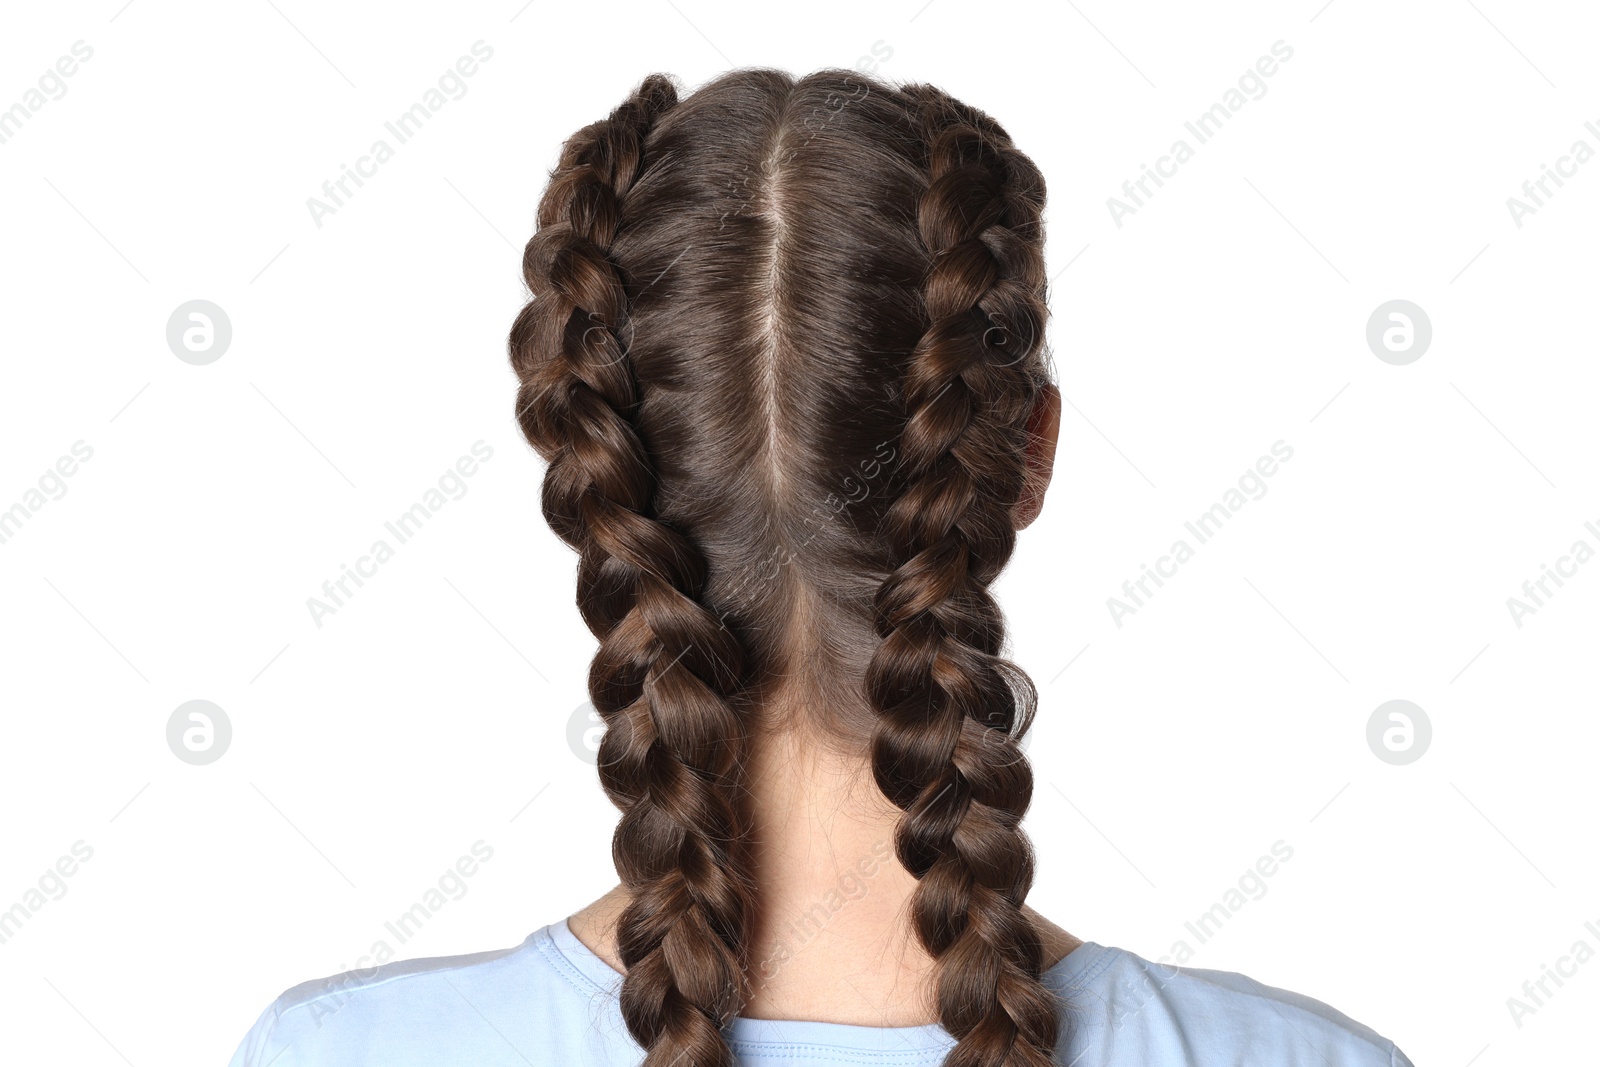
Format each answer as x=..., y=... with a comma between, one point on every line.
x=256, y=1049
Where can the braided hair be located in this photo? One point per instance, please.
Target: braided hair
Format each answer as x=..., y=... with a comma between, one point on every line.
x=950, y=708
x=665, y=665
x=784, y=342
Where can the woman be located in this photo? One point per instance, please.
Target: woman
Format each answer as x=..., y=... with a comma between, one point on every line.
x=785, y=361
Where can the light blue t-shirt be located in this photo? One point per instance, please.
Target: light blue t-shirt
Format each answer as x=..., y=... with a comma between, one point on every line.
x=551, y=1002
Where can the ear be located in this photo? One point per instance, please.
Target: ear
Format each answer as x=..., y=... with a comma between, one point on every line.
x=1044, y=427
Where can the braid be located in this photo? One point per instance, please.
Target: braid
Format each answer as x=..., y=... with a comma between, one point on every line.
x=949, y=708
x=666, y=666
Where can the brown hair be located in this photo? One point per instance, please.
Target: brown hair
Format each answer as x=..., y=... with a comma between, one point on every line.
x=784, y=342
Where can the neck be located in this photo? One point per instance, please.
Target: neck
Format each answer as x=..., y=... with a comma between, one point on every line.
x=832, y=939
x=832, y=936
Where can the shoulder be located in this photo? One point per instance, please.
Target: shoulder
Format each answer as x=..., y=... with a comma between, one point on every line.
x=486, y=1007
x=1124, y=1009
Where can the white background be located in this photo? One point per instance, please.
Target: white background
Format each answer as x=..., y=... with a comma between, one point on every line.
x=1228, y=313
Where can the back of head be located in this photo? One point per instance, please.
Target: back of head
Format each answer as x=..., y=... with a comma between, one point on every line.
x=783, y=348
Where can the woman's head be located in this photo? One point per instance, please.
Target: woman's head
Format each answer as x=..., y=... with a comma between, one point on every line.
x=785, y=359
